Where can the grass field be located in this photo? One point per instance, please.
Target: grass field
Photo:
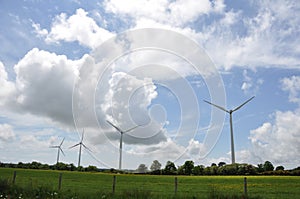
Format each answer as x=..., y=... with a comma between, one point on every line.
x=99, y=185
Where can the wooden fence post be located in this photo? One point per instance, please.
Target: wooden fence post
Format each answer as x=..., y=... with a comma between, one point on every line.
x=176, y=183
x=114, y=184
x=14, y=177
x=59, y=181
x=245, y=186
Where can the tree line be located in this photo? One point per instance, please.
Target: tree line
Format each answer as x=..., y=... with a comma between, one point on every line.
x=188, y=168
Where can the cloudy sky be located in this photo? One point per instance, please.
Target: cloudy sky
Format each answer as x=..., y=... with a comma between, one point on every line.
x=66, y=66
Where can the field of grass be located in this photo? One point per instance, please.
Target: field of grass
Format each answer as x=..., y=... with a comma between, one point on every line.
x=99, y=185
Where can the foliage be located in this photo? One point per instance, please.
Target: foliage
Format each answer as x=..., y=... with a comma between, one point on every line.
x=170, y=168
x=142, y=168
x=156, y=165
x=187, y=168
x=279, y=168
x=268, y=166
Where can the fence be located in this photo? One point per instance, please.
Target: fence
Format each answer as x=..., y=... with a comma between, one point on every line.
x=177, y=184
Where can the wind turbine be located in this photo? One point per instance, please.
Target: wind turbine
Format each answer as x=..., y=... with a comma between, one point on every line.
x=80, y=146
x=59, y=149
x=121, y=139
x=231, y=127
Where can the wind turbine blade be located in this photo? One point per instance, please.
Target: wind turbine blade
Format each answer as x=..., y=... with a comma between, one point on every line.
x=62, y=151
x=240, y=106
x=131, y=129
x=53, y=146
x=62, y=142
x=220, y=107
x=118, y=129
x=74, y=146
x=82, y=135
x=86, y=147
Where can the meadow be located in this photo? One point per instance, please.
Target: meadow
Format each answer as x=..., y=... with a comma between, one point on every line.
x=99, y=185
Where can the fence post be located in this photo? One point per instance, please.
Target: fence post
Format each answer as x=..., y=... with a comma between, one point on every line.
x=14, y=177
x=114, y=184
x=176, y=183
x=245, y=186
x=59, y=181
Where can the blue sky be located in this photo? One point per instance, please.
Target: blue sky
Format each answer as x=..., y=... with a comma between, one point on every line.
x=54, y=82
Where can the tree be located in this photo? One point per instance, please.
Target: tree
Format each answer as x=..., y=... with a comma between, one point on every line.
x=155, y=166
x=221, y=164
x=170, y=168
x=260, y=168
x=188, y=167
x=268, y=166
x=142, y=168
x=91, y=168
x=279, y=168
x=198, y=170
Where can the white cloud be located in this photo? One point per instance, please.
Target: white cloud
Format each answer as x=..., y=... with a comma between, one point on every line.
x=249, y=84
x=292, y=85
x=176, y=13
x=278, y=142
x=6, y=133
x=44, y=83
x=7, y=87
x=78, y=27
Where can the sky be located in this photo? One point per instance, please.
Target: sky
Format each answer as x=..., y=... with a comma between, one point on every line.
x=69, y=66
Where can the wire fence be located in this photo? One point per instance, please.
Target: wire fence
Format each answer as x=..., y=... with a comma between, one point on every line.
x=117, y=184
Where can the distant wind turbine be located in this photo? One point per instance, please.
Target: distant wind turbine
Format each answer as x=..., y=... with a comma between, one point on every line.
x=121, y=139
x=231, y=127
x=59, y=149
x=80, y=146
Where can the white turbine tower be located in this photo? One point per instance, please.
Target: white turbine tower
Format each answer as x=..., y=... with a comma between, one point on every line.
x=121, y=140
x=80, y=146
x=231, y=126
x=59, y=149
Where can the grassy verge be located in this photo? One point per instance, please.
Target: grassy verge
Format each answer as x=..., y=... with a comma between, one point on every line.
x=99, y=185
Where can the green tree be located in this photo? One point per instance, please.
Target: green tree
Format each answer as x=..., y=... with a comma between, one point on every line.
x=260, y=168
x=155, y=165
x=279, y=168
x=188, y=167
x=170, y=168
x=142, y=168
x=91, y=168
x=221, y=164
x=268, y=166
x=199, y=170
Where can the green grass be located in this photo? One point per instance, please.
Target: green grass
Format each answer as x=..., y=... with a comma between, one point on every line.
x=99, y=185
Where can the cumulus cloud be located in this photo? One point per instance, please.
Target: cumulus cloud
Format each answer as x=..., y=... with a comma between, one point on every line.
x=292, y=85
x=44, y=83
x=7, y=87
x=267, y=39
x=78, y=27
x=126, y=106
x=6, y=132
x=232, y=37
x=278, y=142
x=176, y=13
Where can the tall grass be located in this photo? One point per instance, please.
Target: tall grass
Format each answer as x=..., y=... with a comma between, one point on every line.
x=32, y=183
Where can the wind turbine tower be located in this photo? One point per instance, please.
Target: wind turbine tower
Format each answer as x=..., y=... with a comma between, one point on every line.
x=80, y=147
x=231, y=126
x=121, y=139
x=59, y=149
